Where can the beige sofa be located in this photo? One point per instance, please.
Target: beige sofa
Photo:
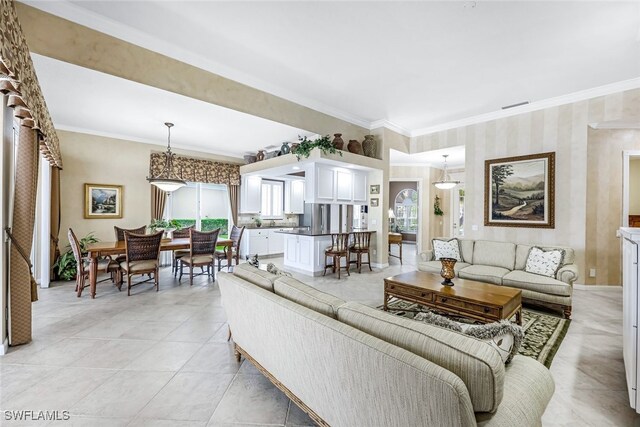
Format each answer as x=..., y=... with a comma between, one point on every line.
x=347, y=364
x=503, y=263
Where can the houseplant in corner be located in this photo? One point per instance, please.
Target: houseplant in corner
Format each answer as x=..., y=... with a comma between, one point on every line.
x=323, y=143
x=65, y=267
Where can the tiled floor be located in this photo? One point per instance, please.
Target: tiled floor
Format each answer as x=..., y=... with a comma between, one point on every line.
x=156, y=359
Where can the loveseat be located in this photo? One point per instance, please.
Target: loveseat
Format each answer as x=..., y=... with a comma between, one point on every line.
x=347, y=364
x=503, y=263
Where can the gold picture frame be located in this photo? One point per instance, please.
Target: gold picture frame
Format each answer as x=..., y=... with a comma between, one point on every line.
x=102, y=201
x=520, y=191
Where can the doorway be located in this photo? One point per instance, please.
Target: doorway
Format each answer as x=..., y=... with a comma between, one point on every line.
x=631, y=188
x=457, y=209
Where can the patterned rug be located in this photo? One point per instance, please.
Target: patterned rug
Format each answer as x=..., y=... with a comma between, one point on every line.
x=543, y=332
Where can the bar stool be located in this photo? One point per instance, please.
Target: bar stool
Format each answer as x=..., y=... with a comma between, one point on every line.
x=360, y=246
x=339, y=249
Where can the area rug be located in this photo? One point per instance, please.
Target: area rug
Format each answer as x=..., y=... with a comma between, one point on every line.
x=543, y=332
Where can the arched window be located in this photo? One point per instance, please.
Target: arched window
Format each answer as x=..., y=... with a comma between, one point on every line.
x=406, y=210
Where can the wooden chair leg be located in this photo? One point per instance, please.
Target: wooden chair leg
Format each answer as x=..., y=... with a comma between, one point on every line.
x=155, y=276
x=336, y=260
x=325, y=265
x=181, y=271
x=348, y=274
x=219, y=264
x=369, y=261
x=191, y=274
x=128, y=284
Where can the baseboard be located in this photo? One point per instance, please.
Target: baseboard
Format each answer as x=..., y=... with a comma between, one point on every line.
x=376, y=265
x=597, y=287
x=5, y=347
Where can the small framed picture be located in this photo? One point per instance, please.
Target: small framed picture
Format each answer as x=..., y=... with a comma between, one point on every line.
x=375, y=202
x=102, y=201
x=374, y=189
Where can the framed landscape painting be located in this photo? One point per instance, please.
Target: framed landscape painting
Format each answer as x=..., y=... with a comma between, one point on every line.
x=520, y=191
x=102, y=201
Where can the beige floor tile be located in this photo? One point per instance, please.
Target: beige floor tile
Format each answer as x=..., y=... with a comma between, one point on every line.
x=164, y=356
x=83, y=421
x=296, y=417
x=123, y=395
x=189, y=397
x=63, y=353
x=152, y=422
x=14, y=379
x=216, y=358
x=114, y=354
x=194, y=330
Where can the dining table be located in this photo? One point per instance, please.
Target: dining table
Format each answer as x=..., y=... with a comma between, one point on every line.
x=101, y=249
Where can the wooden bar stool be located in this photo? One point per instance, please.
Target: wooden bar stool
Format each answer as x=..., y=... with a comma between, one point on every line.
x=339, y=249
x=360, y=246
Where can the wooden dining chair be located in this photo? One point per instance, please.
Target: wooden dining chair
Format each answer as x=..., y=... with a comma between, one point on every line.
x=182, y=233
x=142, y=257
x=235, y=237
x=201, y=253
x=359, y=247
x=82, y=265
x=119, y=232
x=339, y=249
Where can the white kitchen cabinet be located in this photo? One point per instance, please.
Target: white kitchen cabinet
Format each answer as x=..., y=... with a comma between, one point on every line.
x=630, y=309
x=325, y=183
x=276, y=242
x=263, y=241
x=251, y=194
x=360, y=190
x=305, y=253
x=294, y=197
x=344, y=186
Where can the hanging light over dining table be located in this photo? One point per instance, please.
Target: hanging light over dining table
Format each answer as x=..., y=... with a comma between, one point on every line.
x=445, y=183
x=167, y=179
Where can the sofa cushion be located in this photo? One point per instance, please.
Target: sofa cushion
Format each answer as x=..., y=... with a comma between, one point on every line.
x=535, y=282
x=258, y=277
x=436, y=266
x=446, y=249
x=495, y=254
x=298, y=292
x=528, y=388
x=478, y=365
x=466, y=247
x=544, y=262
x=522, y=252
x=483, y=273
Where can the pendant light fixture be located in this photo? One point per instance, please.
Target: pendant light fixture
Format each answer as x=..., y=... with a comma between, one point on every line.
x=167, y=180
x=445, y=183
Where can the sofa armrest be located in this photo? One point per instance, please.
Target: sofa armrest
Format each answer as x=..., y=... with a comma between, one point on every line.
x=568, y=274
x=426, y=256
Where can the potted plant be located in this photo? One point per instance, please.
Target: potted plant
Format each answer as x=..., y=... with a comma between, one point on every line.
x=65, y=266
x=323, y=143
x=436, y=207
x=168, y=226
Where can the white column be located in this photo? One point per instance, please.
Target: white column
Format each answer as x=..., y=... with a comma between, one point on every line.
x=45, y=224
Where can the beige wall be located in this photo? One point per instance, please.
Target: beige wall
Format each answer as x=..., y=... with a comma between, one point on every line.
x=604, y=202
x=562, y=129
x=634, y=187
x=100, y=160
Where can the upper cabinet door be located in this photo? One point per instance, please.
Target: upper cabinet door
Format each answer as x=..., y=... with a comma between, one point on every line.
x=324, y=183
x=360, y=187
x=297, y=197
x=344, y=186
x=251, y=195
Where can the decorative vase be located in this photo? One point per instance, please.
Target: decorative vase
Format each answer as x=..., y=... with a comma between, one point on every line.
x=338, y=142
x=355, y=147
x=285, y=149
x=294, y=147
x=369, y=146
x=250, y=158
x=447, y=272
x=260, y=155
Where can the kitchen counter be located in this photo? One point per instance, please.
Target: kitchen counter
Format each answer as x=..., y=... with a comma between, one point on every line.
x=301, y=232
x=275, y=227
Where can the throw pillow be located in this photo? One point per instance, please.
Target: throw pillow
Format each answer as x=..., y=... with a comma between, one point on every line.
x=504, y=336
x=437, y=320
x=271, y=268
x=544, y=263
x=446, y=249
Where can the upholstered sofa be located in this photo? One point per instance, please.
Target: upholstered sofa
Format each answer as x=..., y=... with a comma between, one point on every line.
x=503, y=263
x=347, y=364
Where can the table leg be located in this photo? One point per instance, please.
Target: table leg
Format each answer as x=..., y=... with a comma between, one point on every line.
x=93, y=275
x=519, y=316
x=386, y=299
x=400, y=245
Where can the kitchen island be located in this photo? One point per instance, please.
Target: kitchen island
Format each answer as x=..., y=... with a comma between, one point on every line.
x=304, y=250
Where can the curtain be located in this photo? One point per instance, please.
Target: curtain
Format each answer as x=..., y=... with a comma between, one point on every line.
x=55, y=217
x=158, y=200
x=234, y=191
x=22, y=289
x=197, y=170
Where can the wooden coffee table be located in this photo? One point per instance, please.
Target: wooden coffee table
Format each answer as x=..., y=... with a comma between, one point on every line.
x=479, y=301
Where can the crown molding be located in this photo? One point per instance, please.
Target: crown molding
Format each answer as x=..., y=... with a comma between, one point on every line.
x=383, y=123
x=144, y=140
x=534, y=106
x=79, y=15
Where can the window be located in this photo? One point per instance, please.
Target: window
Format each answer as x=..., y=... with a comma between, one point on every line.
x=272, y=199
x=204, y=205
x=406, y=209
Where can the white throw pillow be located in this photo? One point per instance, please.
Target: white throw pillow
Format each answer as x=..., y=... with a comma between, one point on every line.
x=505, y=337
x=544, y=263
x=446, y=249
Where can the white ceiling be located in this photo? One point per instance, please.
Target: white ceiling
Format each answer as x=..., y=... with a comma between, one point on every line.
x=414, y=64
x=87, y=101
x=432, y=159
